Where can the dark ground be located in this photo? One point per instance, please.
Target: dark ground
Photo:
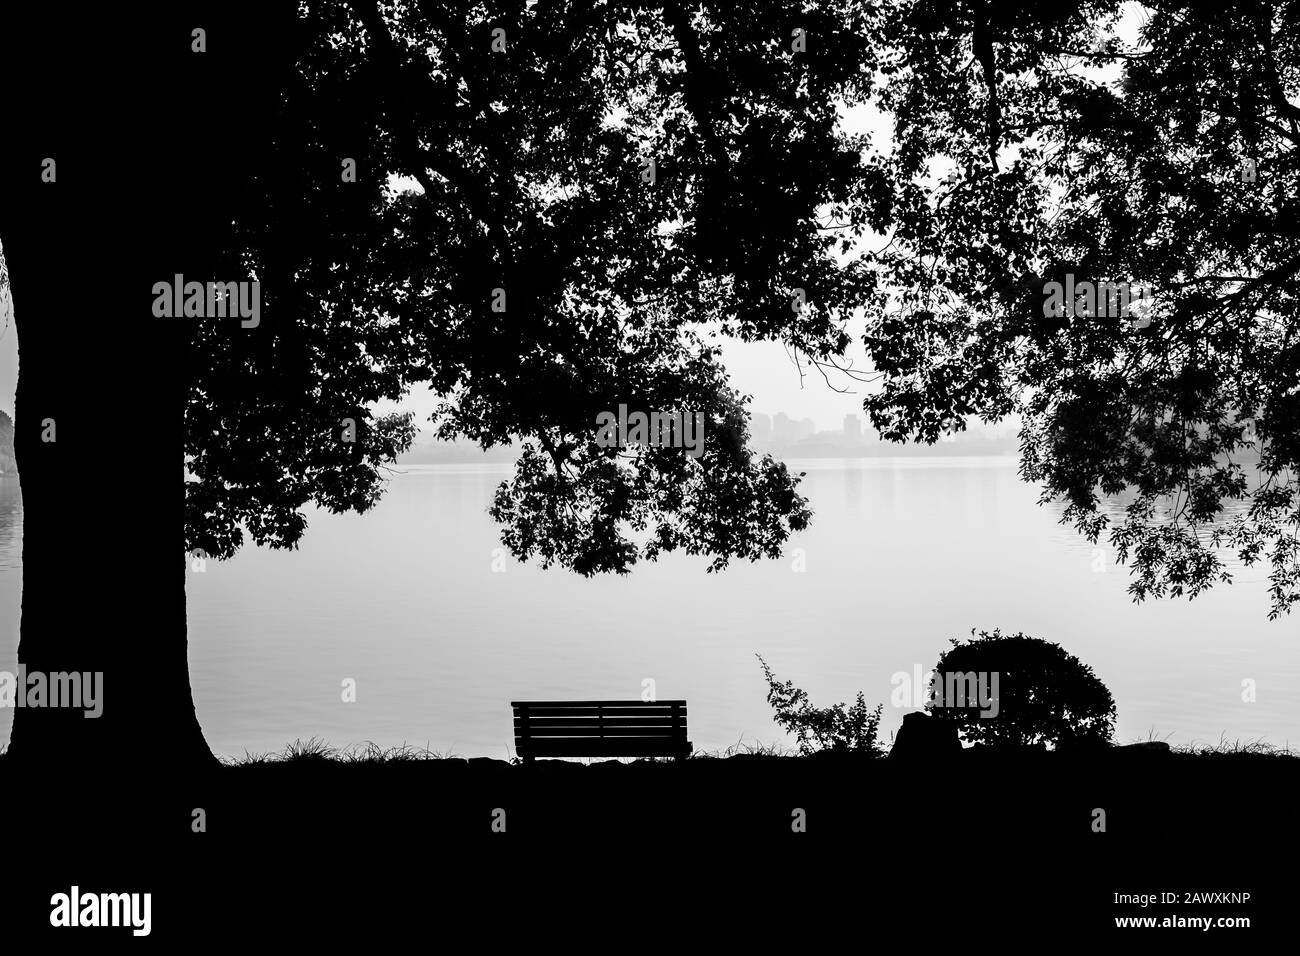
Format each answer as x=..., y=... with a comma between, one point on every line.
x=978, y=845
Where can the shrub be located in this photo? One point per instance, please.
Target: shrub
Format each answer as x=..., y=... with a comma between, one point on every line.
x=835, y=728
x=1044, y=695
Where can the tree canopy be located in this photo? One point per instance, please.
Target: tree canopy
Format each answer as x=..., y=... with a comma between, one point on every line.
x=508, y=244
x=563, y=207
x=1167, y=158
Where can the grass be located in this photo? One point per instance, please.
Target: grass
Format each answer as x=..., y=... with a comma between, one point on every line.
x=1258, y=747
x=743, y=748
x=317, y=751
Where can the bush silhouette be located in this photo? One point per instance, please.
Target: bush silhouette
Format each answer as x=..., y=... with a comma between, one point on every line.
x=836, y=728
x=1033, y=691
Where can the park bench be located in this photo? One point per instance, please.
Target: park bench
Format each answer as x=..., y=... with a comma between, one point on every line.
x=600, y=728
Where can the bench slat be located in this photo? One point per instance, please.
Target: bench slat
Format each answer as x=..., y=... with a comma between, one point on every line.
x=577, y=722
x=542, y=704
x=603, y=712
x=668, y=735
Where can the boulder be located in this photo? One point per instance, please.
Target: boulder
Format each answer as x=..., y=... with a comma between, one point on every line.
x=1146, y=746
x=924, y=736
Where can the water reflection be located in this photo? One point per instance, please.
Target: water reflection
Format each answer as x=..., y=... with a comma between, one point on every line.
x=1115, y=509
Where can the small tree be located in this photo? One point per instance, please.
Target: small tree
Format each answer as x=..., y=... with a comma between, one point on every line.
x=837, y=728
x=1038, y=693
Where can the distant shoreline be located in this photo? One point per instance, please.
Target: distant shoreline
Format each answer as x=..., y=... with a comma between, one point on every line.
x=449, y=453
x=470, y=455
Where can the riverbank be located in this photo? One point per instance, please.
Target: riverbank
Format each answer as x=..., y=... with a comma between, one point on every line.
x=913, y=844
x=977, y=794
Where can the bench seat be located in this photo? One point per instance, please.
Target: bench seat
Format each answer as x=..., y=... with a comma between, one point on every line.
x=600, y=728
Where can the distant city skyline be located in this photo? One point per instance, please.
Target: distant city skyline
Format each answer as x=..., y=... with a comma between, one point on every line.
x=777, y=433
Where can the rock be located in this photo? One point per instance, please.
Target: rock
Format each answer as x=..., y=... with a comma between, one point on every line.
x=924, y=736
x=1146, y=746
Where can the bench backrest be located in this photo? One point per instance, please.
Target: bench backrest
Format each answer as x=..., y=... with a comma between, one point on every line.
x=600, y=728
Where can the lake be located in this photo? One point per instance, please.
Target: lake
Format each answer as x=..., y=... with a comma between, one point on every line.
x=440, y=632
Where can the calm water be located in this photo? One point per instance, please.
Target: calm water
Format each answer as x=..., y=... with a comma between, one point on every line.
x=11, y=585
x=903, y=555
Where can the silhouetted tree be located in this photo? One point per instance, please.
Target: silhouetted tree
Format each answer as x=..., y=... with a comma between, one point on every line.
x=1062, y=150
x=1042, y=694
x=519, y=161
x=558, y=209
x=523, y=169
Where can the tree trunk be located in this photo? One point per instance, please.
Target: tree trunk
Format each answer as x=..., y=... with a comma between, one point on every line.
x=146, y=136
x=103, y=557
